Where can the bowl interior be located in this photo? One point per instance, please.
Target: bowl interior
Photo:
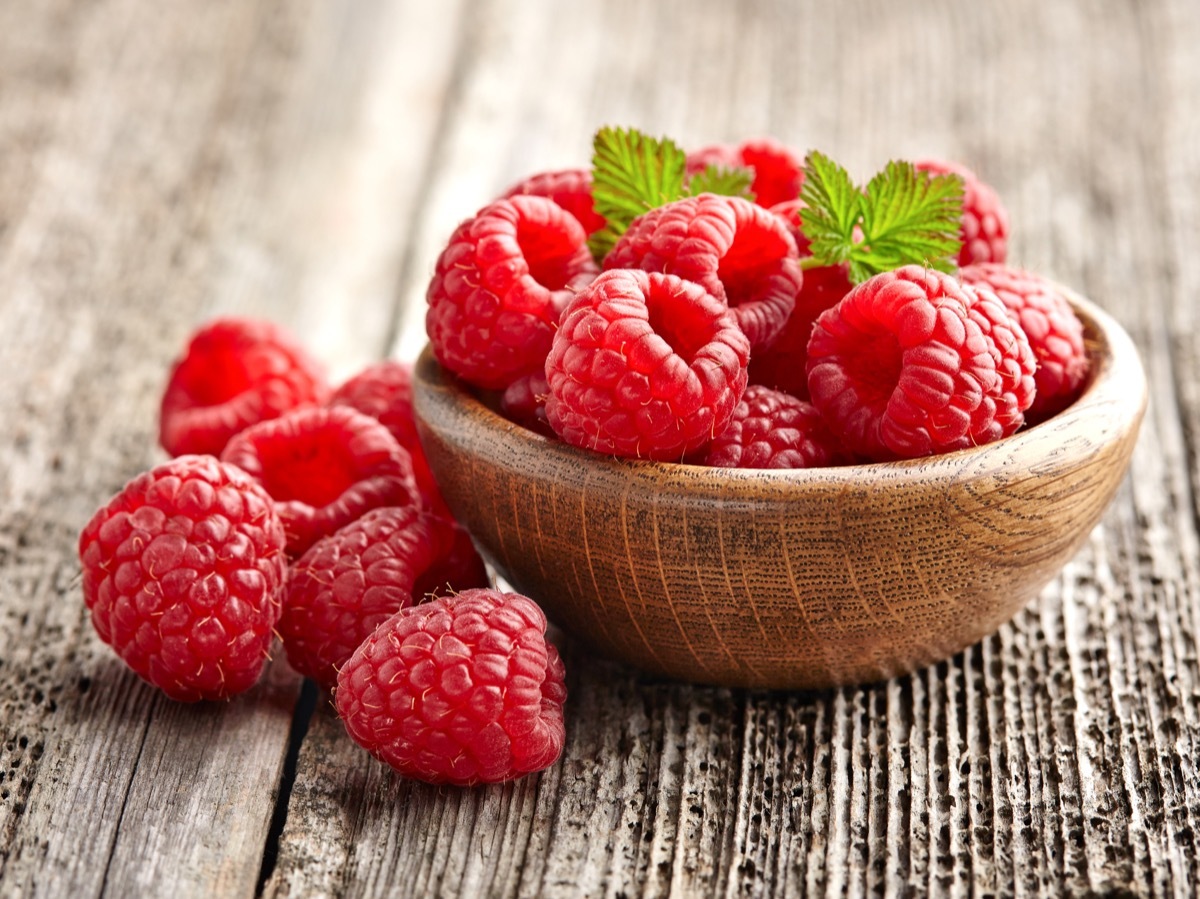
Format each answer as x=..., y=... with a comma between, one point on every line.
x=786, y=579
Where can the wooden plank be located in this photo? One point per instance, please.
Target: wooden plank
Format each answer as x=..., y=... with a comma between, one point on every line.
x=1038, y=761
x=171, y=164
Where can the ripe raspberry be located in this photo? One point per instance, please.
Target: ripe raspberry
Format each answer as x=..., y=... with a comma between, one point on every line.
x=324, y=467
x=569, y=188
x=778, y=172
x=524, y=402
x=500, y=286
x=183, y=571
x=739, y=252
x=349, y=582
x=234, y=373
x=782, y=364
x=902, y=367
x=1054, y=331
x=984, y=221
x=463, y=690
x=383, y=391
x=645, y=365
x=770, y=429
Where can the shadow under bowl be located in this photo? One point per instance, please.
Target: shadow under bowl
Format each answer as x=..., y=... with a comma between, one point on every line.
x=786, y=579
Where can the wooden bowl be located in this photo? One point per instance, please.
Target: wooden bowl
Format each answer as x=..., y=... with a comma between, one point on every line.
x=786, y=579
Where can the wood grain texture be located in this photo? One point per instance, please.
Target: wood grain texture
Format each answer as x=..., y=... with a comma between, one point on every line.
x=161, y=163
x=787, y=580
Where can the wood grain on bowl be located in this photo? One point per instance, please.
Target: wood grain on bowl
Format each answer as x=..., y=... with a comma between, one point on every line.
x=786, y=579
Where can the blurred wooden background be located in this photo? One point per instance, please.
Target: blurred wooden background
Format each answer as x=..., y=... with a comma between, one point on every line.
x=164, y=162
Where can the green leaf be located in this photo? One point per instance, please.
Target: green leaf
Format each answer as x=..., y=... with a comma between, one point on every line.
x=832, y=209
x=911, y=216
x=728, y=181
x=631, y=173
x=903, y=217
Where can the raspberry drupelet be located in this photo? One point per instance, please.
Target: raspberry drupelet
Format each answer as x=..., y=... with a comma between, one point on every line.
x=782, y=364
x=772, y=429
x=569, y=188
x=383, y=390
x=645, y=365
x=234, y=373
x=183, y=572
x=984, y=218
x=741, y=253
x=324, y=467
x=778, y=172
x=501, y=284
x=462, y=689
x=905, y=365
x=349, y=582
x=1054, y=331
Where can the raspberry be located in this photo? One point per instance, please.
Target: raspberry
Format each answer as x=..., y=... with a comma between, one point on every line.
x=524, y=402
x=770, y=429
x=569, y=188
x=384, y=392
x=183, y=571
x=463, y=689
x=349, y=582
x=782, y=364
x=778, y=173
x=739, y=252
x=500, y=286
x=904, y=366
x=984, y=221
x=234, y=373
x=1054, y=331
x=645, y=365
x=324, y=467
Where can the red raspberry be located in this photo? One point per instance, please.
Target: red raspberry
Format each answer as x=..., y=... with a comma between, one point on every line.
x=1054, y=331
x=463, y=690
x=324, y=467
x=1015, y=365
x=569, y=188
x=500, y=286
x=770, y=429
x=351, y=581
x=524, y=402
x=183, y=571
x=984, y=221
x=778, y=172
x=234, y=373
x=384, y=392
x=645, y=365
x=782, y=364
x=904, y=366
x=739, y=252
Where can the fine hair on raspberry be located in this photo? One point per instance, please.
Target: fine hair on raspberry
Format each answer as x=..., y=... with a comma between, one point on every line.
x=501, y=284
x=183, y=571
x=235, y=372
x=645, y=365
x=901, y=368
x=738, y=251
x=324, y=467
x=463, y=689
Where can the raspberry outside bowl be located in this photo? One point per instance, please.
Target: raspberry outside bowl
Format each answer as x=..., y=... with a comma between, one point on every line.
x=786, y=579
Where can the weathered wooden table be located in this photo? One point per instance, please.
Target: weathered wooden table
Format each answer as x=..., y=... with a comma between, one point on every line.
x=303, y=161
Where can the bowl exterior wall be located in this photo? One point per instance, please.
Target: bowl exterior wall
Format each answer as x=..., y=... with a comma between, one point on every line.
x=800, y=579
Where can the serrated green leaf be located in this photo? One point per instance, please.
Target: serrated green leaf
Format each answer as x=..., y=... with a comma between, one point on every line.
x=728, y=181
x=832, y=208
x=904, y=216
x=631, y=173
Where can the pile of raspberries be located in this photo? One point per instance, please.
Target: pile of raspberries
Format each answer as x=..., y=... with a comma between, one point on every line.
x=702, y=337
x=296, y=512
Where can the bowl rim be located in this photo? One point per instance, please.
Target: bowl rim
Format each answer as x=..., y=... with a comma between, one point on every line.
x=1116, y=383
